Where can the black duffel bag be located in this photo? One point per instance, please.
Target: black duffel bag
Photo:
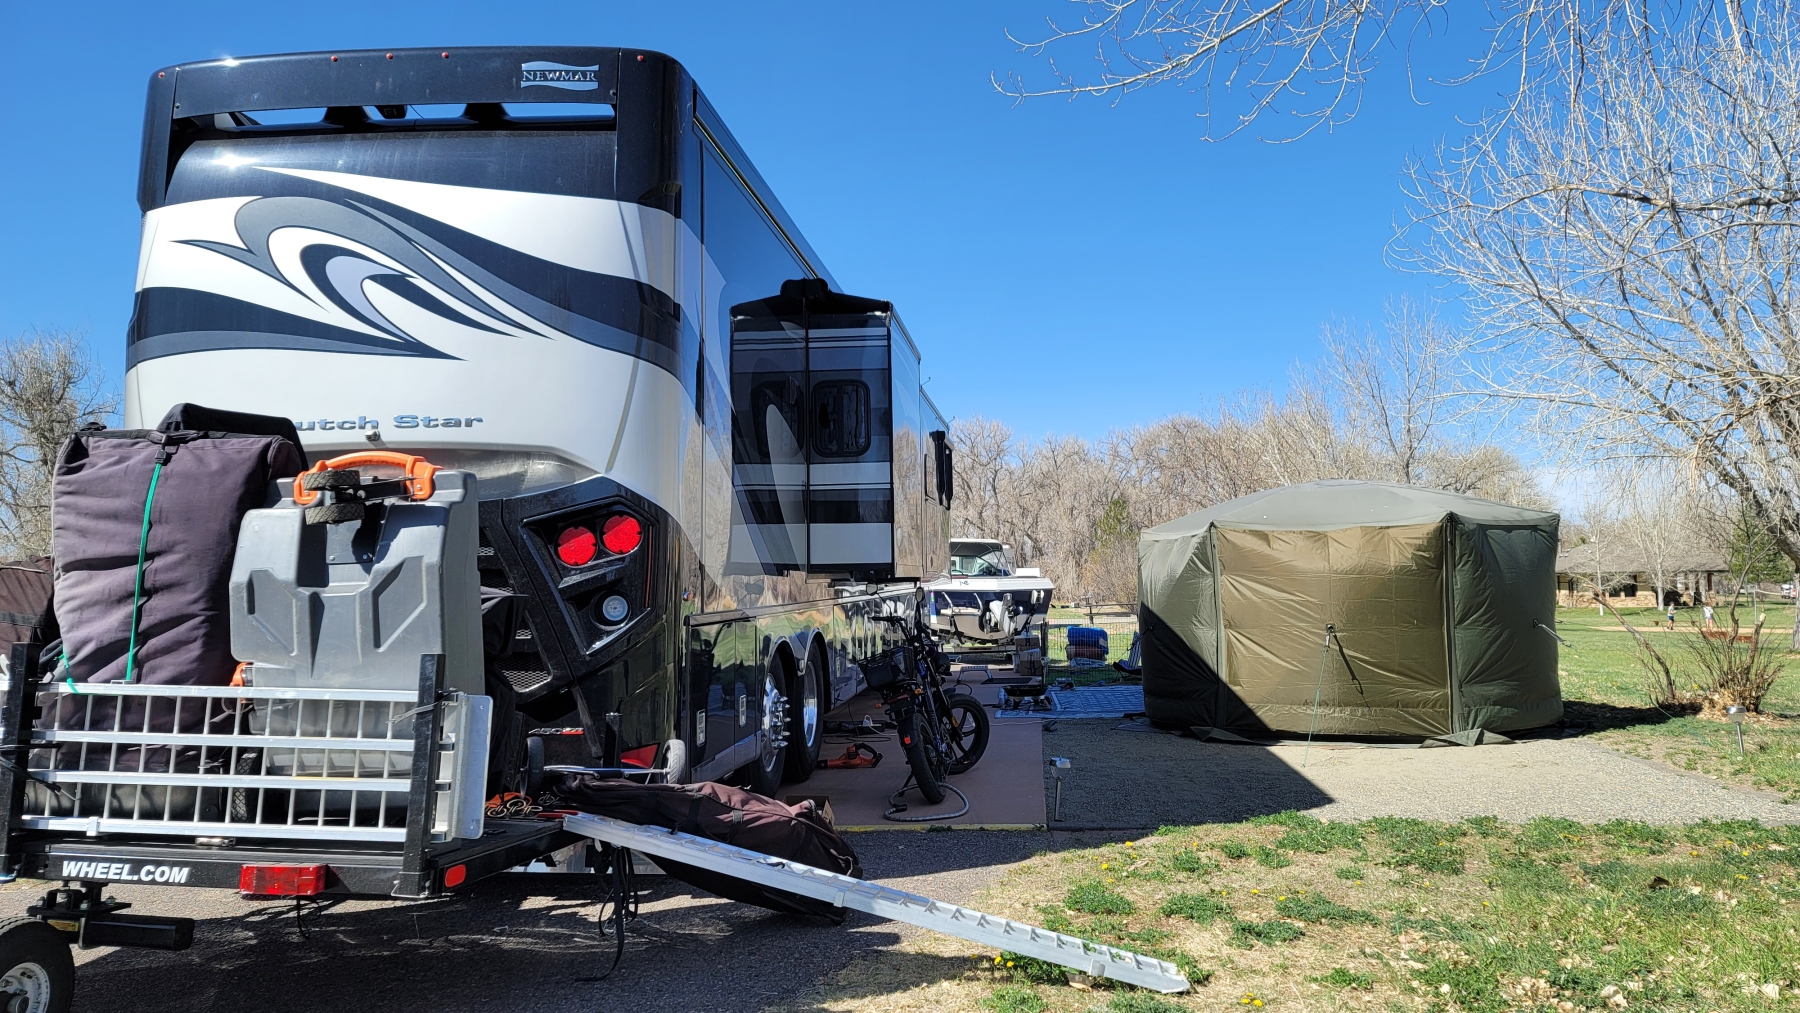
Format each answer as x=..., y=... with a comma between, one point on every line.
x=799, y=833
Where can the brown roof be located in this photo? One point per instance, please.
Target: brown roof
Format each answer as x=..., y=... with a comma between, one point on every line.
x=1623, y=559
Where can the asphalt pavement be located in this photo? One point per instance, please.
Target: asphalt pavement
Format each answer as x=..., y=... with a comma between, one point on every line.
x=518, y=942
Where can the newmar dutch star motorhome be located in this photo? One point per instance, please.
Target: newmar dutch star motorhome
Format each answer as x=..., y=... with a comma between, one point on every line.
x=699, y=465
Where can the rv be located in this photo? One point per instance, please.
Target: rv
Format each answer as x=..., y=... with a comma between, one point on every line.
x=701, y=467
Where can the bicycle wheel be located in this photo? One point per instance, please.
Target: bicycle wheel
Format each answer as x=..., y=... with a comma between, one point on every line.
x=919, y=757
x=966, y=730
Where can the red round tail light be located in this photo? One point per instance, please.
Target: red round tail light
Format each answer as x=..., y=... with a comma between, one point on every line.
x=620, y=534
x=575, y=546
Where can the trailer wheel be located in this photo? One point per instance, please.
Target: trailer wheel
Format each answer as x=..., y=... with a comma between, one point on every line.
x=39, y=975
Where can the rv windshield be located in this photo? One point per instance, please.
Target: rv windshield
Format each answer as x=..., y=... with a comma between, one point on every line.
x=983, y=561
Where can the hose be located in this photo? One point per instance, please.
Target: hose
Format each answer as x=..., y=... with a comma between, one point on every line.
x=899, y=806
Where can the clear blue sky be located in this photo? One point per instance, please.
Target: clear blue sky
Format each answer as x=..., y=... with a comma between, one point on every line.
x=1066, y=267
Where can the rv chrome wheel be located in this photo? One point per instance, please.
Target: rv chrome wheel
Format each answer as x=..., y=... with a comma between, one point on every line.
x=805, y=728
x=774, y=720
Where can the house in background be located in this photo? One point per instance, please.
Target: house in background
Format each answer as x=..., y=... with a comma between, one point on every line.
x=1629, y=579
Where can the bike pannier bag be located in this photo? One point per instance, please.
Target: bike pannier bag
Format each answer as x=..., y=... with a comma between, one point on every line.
x=887, y=667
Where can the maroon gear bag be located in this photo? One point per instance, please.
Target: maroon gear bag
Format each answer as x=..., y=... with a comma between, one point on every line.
x=719, y=812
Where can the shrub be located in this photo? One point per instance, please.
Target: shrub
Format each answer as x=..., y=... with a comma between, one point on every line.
x=1314, y=908
x=1095, y=899
x=1014, y=999
x=1196, y=906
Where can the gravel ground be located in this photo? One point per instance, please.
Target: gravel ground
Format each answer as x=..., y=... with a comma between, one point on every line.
x=519, y=943
x=1133, y=779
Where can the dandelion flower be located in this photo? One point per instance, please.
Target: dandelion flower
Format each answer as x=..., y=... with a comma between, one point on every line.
x=1256, y=1002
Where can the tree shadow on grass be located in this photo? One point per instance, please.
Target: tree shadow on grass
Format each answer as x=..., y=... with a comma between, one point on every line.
x=1585, y=717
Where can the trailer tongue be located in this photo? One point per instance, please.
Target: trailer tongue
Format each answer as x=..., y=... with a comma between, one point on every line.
x=1082, y=955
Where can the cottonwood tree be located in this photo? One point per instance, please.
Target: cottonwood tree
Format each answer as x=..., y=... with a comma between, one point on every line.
x=1625, y=234
x=49, y=387
x=1395, y=390
x=1308, y=59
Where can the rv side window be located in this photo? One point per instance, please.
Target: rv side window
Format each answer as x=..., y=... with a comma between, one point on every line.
x=841, y=411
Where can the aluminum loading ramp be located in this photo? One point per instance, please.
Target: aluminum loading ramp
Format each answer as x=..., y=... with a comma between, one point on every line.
x=1073, y=952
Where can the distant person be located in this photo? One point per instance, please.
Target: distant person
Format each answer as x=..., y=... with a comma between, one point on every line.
x=1709, y=616
x=1671, y=609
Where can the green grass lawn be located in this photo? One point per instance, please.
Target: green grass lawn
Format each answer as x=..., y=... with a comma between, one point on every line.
x=1287, y=912
x=1599, y=666
x=1599, y=663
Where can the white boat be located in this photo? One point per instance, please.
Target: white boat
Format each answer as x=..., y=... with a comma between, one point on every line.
x=983, y=602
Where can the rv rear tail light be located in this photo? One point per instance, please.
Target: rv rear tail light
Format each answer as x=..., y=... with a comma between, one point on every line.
x=621, y=534
x=575, y=546
x=282, y=880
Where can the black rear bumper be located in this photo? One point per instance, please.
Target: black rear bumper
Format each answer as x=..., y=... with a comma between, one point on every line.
x=353, y=870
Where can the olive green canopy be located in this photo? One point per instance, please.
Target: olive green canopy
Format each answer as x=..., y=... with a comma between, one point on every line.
x=1441, y=607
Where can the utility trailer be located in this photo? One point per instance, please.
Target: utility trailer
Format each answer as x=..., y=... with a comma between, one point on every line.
x=203, y=832
x=186, y=822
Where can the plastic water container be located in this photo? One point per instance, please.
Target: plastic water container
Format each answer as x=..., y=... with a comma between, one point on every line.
x=1088, y=643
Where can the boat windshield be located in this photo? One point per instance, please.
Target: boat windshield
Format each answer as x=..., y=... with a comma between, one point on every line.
x=989, y=563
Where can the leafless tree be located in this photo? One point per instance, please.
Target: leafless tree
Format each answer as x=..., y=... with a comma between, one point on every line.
x=1395, y=390
x=1306, y=58
x=1663, y=516
x=1074, y=507
x=1625, y=235
x=49, y=386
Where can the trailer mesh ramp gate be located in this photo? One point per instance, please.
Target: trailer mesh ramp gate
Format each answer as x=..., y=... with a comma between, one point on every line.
x=1080, y=954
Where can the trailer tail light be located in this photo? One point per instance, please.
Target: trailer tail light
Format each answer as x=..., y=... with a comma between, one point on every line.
x=282, y=880
x=575, y=546
x=621, y=534
x=641, y=757
x=454, y=876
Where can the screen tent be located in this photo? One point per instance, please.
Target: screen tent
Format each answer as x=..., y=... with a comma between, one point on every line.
x=1442, y=606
